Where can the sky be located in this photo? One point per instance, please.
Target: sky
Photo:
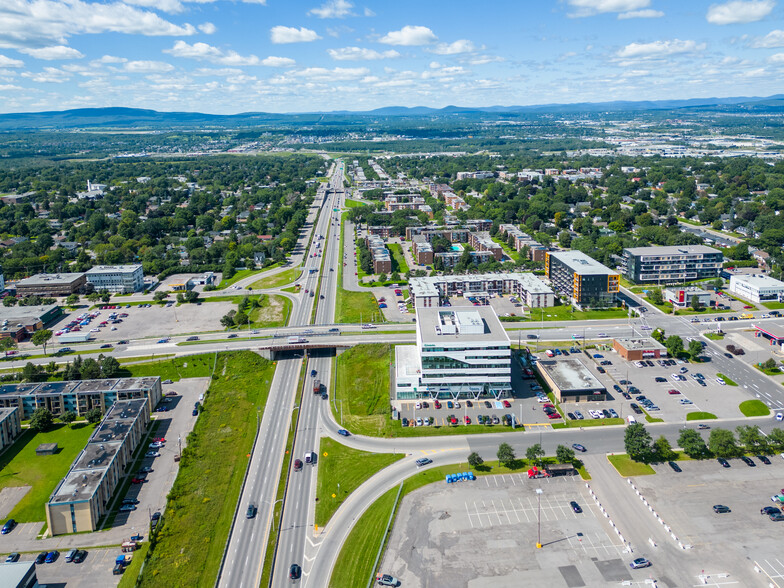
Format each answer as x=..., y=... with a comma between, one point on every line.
x=232, y=56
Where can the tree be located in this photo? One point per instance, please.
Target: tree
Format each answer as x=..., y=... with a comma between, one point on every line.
x=695, y=348
x=475, y=460
x=693, y=444
x=160, y=296
x=505, y=454
x=41, y=420
x=191, y=296
x=10, y=301
x=109, y=366
x=638, y=442
x=752, y=440
x=180, y=298
x=90, y=369
x=722, y=443
x=7, y=344
x=227, y=320
x=770, y=364
x=663, y=449
x=658, y=334
x=94, y=415
x=382, y=277
x=534, y=453
x=72, y=300
x=240, y=319
x=41, y=338
x=93, y=297
x=776, y=439
x=655, y=296
x=68, y=417
x=564, y=454
x=674, y=345
x=695, y=303
x=31, y=372
x=105, y=296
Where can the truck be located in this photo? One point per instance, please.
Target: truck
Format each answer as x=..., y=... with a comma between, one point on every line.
x=294, y=340
x=747, y=315
x=316, y=386
x=74, y=337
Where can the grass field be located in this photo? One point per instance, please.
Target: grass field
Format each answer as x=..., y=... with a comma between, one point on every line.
x=20, y=466
x=773, y=305
x=768, y=372
x=347, y=467
x=354, y=203
x=714, y=336
x=278, y=280
x=356, y=307
x=628, y=467
x=729, y=381
x=752, y=408
x=399, y=260
x=700, y=416
x=237, y=277
x=274, y=311
x=202, y=501
x=567, y=313
x=191, y=366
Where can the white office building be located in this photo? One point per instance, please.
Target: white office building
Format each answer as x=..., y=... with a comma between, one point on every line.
x=756, y=288
x=118, y=279
x=460, y=353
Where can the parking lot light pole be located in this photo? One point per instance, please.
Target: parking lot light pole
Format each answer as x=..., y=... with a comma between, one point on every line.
x=539, y=518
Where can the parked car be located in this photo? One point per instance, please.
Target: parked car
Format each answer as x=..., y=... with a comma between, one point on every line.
x=387, y=580
x=640, y=562
x=675, y=466
x=575, y=507
x=52, y=556
x=12, y=557
x=9, y=526
x=720, y=508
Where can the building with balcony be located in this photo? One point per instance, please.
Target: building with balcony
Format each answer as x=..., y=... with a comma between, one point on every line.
x=10, y=426
x=583, y=279
x=670, y=264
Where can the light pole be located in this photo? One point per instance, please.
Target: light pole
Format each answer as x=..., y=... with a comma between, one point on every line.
x=539, y=518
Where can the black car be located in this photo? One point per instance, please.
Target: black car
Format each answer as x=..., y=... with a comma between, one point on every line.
x=624, y=382
x=600, y=369
x=748, y=461
x=675, y=466
x=617, y=388
x=724, y=463
x=720, y=508
x=606, y=413
x=660, y=379
x=251, y=513
x=40, y=558
x=9, y=526
x=769, y=510
x=404, y=421
x=571, y=416
x=80, y=556
x=487, y=404
x=626, y=395
x=764, y=459
x=295, y=572
x=575, y=507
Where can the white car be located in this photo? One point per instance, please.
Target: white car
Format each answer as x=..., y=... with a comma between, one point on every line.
x=779, y=416
x=152, y=454
x=95, y=330
x=685, y=401
x=419, y=422
x=602, y=335
x=457, y=404
x=595, y=414
x=721, y=381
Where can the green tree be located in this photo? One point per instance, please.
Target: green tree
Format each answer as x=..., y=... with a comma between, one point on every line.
x=382, y=277
x=769, y=364
x=31, y=372
x=105, y=296
x=10, y=301
x=160, y=296
x=695, y=348
x=776, y=439
x=227, y=320
x=41, y=338
x=109, y=366
x=475, y=460
x=94, y=415
x=505, y=454
x=752, y=440
x=72, y=300
x=191, y=296
x=638, y=442
x=7, y=344
x=41, y=420
x=564, y=454
x=534, y=453
x=180, y=298
x=674, y=345
x=241, y=319
x=658, y=334
x=695, y=303
x=722, y=443
x=68, y=417
x=655, y=296
x=693, y=444
x=90, y=369
x=663, y=449
x=93, y=297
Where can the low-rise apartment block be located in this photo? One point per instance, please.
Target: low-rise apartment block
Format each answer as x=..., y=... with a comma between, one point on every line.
x=431, y=291
x=586, y=281
x=481, y=241
x=671, y=264
x=382, y=262
x=422, y=250
x=119, y=279
x=536, y=251
x=10, y=426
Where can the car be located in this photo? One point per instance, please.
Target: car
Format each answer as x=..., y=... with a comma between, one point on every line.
x=776, y=517
x=606, y=413
x=295, y=572
x=640, y=562
x=675, y=466
x=130, y=501
x=507, y=404
x=344, y=433
x=40, y=558
x=724, y=463
x=554, y=415
x=748, y=461
x=419, y=422
x=673, y=391
x=12, y=557
x=769, y=510
x=251, y=512
x=70, y=555
x=136, y=480
x=152, y=454
x=52, y=556
x=80, y=556
x=606, y=362
x=156, y=444
x=575, y=507
x=613, y=414
x=467, y=420
x=571, y=416
x=579, y=415
x=703, y=427
x=764, y=459
x=127, y=508
x=617, y=388
x=106, y=346
x=437, y=404
x=496, y=420
x=624, y=382
x=685, y=401
x=683, y=370
x=598, y=356
x=423, y=461
x=450, y=404
x=232, y=336
x=626, y=395
x=192, y=338
x=721, y=381
x=487, y=404
x=720, y=508
x=600, y=369
x=387, y=580
x=297, y=465
x=9, y=526
x=578, y=447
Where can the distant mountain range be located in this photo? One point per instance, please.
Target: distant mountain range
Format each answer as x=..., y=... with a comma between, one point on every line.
x=140, y=118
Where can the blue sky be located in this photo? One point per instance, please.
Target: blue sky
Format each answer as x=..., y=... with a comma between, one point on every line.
x=230, y=56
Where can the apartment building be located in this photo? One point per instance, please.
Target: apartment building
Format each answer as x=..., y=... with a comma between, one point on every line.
x=422, y=250
x=10, y=426
x=582, y=278
x=382, y=261
x=670, y=264
x=532, y=292
x=536, y=251
x=119, y=279
x=450, y=259
x=481, y=241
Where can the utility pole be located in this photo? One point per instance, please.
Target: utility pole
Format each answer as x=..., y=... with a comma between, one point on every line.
x=539, y=518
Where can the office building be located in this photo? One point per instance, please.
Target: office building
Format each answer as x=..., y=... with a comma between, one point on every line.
x=671, y=264
x=82, y=497
x=571, y=381
x=20, y=321
x=583, y=279
x=78, y=396
x=52, y=285
x=682, y=297
x=640, y=348
x=756, y=288
x=431, y=291
x=460, y=353
x=10, y=426
x=117, y=279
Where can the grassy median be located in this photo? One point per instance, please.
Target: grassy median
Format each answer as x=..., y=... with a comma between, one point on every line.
x=202, y=501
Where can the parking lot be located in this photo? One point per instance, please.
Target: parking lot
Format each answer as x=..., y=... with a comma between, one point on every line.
x=95, y=570
x=484, y=533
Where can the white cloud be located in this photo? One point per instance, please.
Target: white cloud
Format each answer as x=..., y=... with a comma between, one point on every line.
x=162, y=5
x=50, y=75
x=148, y=67
x=281, y=34
x=648, y=13
x=592, y=7
x=658, y=49
x=772, y=39
x=206, y=52
x=739, y=11
x=9, y=88
x=111, y=59
x=40, y=23
x=776, y=58
x=8, y=62
x=333, y=9
x=485, y=59
x=208, y=28
x=460, y=46
x=273, y=61
x=369, y=12
x=54, y=52
x=410, y=36
x=361, y=54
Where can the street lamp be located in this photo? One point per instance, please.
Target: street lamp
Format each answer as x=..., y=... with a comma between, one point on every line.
x=539, y=519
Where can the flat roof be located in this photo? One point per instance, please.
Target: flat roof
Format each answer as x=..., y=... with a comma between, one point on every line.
x=79, y=386
x=581, y=263
x=113, y=269
x=570, y=374
x=24, y=313
x=773, y=330
x=671, y=250
x=407, y=361
x=50, y=279
x=758, y=280
x=7, y=412
x=447, y=325
x=14, y=574
x=639, y=343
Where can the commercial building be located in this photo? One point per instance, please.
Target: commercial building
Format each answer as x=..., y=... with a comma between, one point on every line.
x=52, y=285
x=10, y=426
x=756, y=288
x=586, y=281
x=571, y=381
x=20, y=321
x=459, y=354
x=78, y=396
x=18, y=574
x=641, y=348
x=120, y=279
x=430, y=291
x=773, y=333
x=382, y=262
x=671, y=264
x=682, y=297
x=81, y=498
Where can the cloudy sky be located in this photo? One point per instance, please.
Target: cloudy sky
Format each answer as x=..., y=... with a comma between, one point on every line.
x=230, y=56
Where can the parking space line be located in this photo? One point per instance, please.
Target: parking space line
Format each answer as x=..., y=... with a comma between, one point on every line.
x=497, y=514
x=514, y=510
x=468, y=512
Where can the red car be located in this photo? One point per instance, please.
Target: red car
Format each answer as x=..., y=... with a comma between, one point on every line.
x=137, y=480
x=297, y=465
x=437, y=404
x=554, y=415
x=507, y=404
x=453, y=420
x=748, y=307
x=673, y=391
x=547, y=405
x=468, y=420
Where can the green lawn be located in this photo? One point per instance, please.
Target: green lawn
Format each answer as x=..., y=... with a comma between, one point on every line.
x=273, y=311
x=354, y=203
x=399, y=260
x=768, y=372
x=338, y=464
x=752, y=408
x=567, y=313
x=202, y=501
x=191, y=366
x=237, y=277
x=773, y=305
x=628, y=467
x=714, y=336
x=278, y=280
x=700, y=416
x=356, y=307
x=729, y=381
x=20, y=466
